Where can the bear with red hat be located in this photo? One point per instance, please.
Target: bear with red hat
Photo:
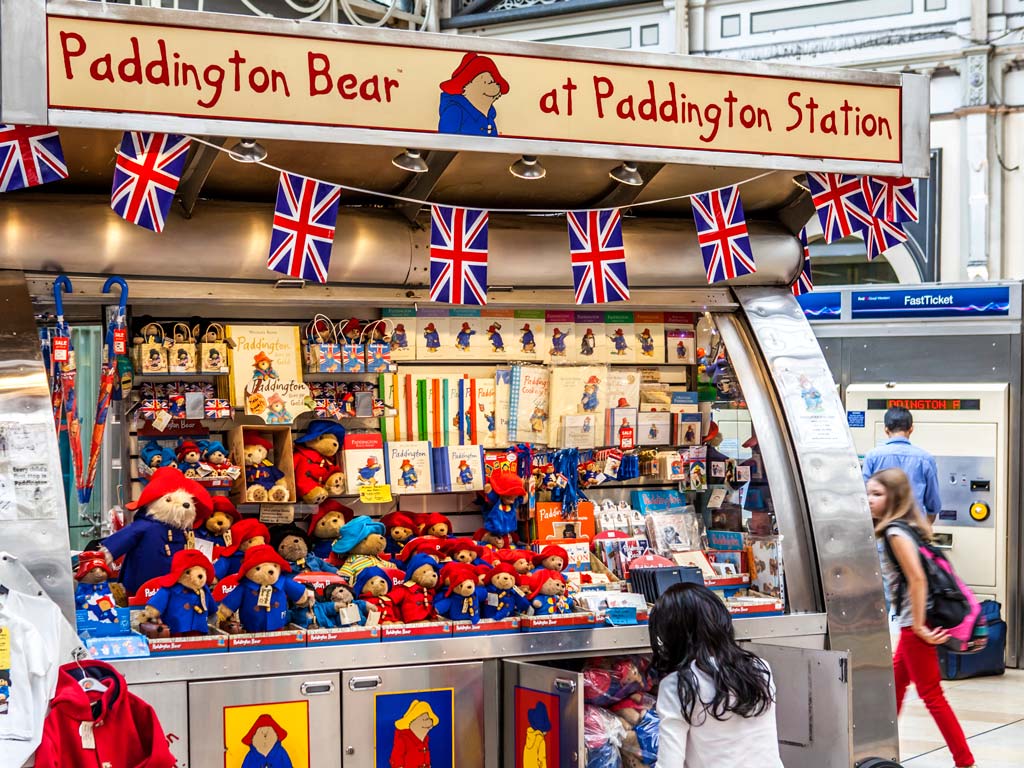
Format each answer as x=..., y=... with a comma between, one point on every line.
x=216, y=526
x=435, y=524
x=465, y=550
x=461, y=601
x=548, y=594
x=552, y=558
x=467, y=99
x=265, y=741
x=92, y=592
x=502, y=492
x=188, y=456
x=414, y=598
x=248, y=533
x=184, y=602
x=263, y=481
x=504, y=598
x=326, y=524
x=262, y=592
x=400, y=527
x=163, y=526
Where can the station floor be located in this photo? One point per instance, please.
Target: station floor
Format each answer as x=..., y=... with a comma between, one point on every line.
x=991, y=711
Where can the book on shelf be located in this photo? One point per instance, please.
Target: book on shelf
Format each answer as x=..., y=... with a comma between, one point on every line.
x=528, y=404
x=409, y=467
x=576, y=391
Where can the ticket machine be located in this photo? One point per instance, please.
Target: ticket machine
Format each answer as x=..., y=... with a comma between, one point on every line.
x=964, y=426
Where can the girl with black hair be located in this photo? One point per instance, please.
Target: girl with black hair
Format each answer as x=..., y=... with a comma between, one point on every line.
x=716, y=701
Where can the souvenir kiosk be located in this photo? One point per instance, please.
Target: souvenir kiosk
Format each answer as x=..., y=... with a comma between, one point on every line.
x=340, y=104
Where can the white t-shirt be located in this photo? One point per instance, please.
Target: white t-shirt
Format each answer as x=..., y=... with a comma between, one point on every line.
x=736, y=742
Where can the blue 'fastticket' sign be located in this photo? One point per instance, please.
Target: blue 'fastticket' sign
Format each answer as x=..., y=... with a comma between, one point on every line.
x=823, y=305
x=985, y=301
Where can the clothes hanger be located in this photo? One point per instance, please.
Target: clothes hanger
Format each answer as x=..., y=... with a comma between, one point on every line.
x=88, y=681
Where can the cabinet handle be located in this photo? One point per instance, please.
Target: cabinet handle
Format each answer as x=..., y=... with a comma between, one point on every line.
x=316, y=687
x=364, y=683
x=566, y=685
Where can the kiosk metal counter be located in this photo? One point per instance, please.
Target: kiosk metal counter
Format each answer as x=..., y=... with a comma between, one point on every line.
x=337, y=103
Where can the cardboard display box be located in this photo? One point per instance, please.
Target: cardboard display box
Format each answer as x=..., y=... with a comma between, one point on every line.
x=281, y=437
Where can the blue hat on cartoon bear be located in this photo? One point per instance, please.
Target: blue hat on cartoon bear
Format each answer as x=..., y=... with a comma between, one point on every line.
x=149, y=450
x=319, y=427
x=538, y=718
x=418, y=561
x=354, y=531
x=365, y=575
x=170, y=457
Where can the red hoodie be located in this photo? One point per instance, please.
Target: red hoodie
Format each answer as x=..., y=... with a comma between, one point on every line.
x=125, y=729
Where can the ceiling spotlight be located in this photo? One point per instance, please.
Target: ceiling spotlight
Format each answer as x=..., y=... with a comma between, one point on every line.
x=627, y=174
x=527, y=167
x=411, y=161
x=248, y=151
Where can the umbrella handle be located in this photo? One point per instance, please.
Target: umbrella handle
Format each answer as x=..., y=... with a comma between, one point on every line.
x=61, y=285
x=122, y=306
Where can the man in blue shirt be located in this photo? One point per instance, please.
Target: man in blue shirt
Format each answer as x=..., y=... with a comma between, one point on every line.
x=917, y=463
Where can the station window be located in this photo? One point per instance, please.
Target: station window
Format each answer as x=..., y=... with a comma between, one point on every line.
x=649, y=35
x=935, y=5
x=731, y=26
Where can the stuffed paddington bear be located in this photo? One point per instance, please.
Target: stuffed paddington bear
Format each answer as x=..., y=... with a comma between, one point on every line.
x=245, y=535
x=263, y=591
x=504, y=598
x=317, y=474
x=184, y=602
x=495, y=541
x=337, y=608
x=291, y=543
x=216, y=526
x=423, y=545
x=372, y=586
x=263, y=481
x=92, y=591
x=548, y=595
x=360, y=545
x=325, y=526
x=401, y=527
x=464, y=550
x=414, y=598
x=461, y=601
x=520, y=559
x=215, y=459
x=552, y=558
x=163, y=526
x=435, y=524
x=502, y=493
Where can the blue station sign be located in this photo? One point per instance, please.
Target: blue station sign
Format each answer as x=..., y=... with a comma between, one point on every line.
x=821, y=305
x=987, y=301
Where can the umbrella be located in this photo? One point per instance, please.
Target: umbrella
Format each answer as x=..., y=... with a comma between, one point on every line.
x=108, y=377
x=67, y=374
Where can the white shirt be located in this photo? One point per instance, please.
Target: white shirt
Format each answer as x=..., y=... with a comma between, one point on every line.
x=736, y=742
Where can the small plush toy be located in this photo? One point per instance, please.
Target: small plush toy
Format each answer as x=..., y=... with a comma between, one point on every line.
x=372, y=586
x=216, y=526
x=92, y=592
x=169, y=458
x=548, y=595
x=502, y=491
x=291, y=543
x=547, y=478
x=461, y=601
x=262, y=594
x=414, y=598
x=435, y=524
x=166, y=511
x=264, y=481
x=401, y=527
x=338, y=608
x=425, y=545
x=464, y=551
x=215, y=458
x=325, y=525
x=552, y=558
x=360, y=545
x=184, y=602
x=245, y=534
x=520, y=559
x=504, y=598
x=317, y=474
x=494, y=541
x=188, y=456
x=151, y=454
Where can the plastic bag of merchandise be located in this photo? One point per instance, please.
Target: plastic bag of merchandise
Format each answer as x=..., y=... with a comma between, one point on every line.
x=603, y=733
x=607, y=681
x=640, y=718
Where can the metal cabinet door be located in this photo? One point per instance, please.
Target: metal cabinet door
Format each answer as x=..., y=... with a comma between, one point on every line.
x=813, y=705
x=170, y=702
x=438, y=710
x=297, y=714
x=545, y=700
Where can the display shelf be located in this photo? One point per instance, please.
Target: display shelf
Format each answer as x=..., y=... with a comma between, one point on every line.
x=345, y=375
x=579, y=642
x=175, y=376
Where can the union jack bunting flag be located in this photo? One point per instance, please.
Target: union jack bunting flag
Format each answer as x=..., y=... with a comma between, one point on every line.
x=893, y=198
x=722, y=234
x=881, y=235
x=216, y=408
x=840, y=202
x=598, y=256
x=458, y=255
x=151, y=407
x=146, y=176
x=305, y=215
x=30, y=155
x=804, y=283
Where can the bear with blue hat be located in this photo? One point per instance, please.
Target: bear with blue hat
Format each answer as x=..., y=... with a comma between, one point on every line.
x=414, y=597
x=360, y=545
x=372, y=586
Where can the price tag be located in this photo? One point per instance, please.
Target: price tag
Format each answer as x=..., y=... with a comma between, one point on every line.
x=276, y=514
x=86, y=734
x=61, y=347
x=492, y=599
x=206, y=547
x=120, y=341
x=161, y=420
x=626, y=440
x=620, y=616
x=375, y=494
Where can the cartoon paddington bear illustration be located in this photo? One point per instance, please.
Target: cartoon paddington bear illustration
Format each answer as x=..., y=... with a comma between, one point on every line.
x=467, y=97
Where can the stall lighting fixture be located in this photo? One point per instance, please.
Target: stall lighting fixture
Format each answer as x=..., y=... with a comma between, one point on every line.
x=248, y=151
x=626, y=173
x=527, y=167
x=411, y=161
x=290, y=283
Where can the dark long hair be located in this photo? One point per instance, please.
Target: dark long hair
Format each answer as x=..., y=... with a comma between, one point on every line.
x=691, y=626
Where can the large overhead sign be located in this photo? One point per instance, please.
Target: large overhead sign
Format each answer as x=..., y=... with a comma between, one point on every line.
x=413, y=83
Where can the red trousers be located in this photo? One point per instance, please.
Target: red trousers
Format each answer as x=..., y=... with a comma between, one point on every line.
x=918, y=663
